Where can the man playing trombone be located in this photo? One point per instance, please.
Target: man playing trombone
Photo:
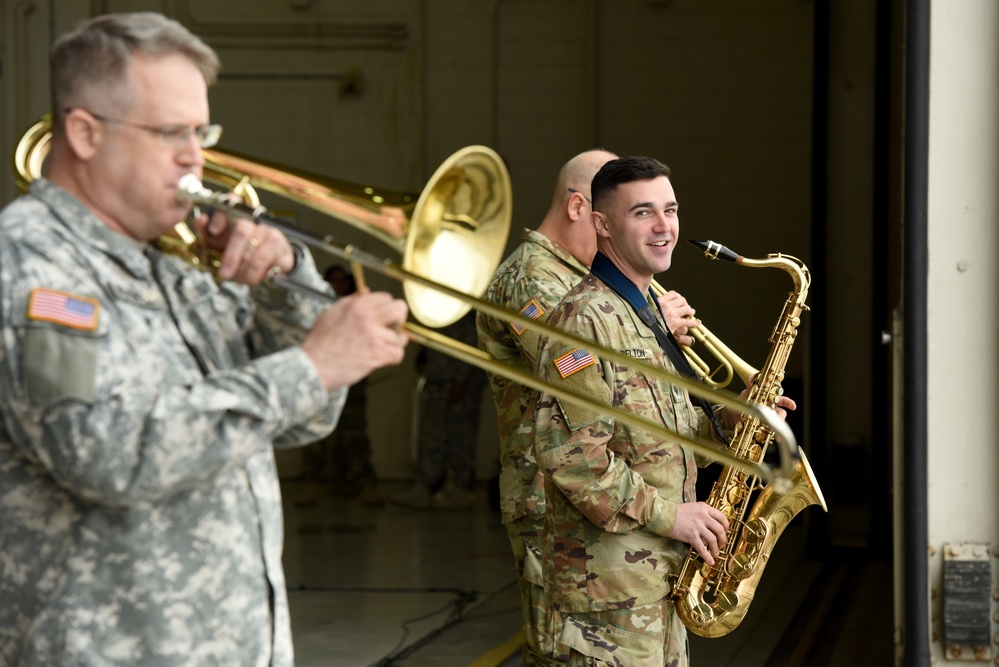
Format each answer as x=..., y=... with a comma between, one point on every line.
x=551, y=260
x=620, y=500
x=141, y=515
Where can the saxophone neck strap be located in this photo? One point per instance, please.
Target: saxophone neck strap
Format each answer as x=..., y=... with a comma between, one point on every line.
x=642, y=304
x=607, y=271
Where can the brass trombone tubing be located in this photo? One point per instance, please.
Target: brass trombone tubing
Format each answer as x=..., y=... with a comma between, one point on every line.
x=482, y=360
x=476, y=357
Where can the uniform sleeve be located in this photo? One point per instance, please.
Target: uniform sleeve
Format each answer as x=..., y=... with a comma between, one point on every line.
x=573, y=445
x=120, y=415
x=535, y=297
x=281, y=320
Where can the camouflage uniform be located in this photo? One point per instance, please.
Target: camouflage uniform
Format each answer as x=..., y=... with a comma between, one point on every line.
x=612, y=490
x=531, y=281
x=452, y=401
x=140, y=512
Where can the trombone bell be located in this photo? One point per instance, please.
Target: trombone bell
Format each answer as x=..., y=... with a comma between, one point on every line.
x=458, y=233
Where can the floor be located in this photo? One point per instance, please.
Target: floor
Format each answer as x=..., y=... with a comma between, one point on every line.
x=393, y=586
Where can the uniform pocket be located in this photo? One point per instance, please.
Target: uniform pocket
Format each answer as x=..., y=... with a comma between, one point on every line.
x=603, y=643
x=59, y=365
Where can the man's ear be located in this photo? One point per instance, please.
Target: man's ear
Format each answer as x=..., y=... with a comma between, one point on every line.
x=84, y=134
x=599, y=222
x=576, y=206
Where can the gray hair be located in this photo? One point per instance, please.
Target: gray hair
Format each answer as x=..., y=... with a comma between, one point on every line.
x=94, y=57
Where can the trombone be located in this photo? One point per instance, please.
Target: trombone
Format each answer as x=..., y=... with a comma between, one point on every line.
x=467, y=205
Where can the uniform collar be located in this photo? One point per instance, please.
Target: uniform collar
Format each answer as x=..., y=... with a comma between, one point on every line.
x=81, y=222
x=607, y=271
x=555, y=248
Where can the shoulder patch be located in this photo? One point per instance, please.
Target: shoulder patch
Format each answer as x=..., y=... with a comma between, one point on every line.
x=574, y=361
x=71, y=310
x=530, y=310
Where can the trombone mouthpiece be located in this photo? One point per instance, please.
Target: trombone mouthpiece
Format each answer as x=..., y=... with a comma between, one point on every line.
x=716, y=251
x=190, y=188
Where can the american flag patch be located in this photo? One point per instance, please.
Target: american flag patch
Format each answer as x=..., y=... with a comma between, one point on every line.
x=78, y=312
x=531, y=310
x=574, y=361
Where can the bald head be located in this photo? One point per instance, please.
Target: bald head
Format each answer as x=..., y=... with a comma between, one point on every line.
x=577, y=173
x=568, y=219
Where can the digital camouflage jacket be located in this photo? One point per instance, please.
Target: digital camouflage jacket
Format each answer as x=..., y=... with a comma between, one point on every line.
x=140, y=512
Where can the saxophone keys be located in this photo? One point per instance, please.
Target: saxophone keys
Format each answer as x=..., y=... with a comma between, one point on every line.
x=755, y=532
x=740, y=566
x=728, y=601
x=702, y=613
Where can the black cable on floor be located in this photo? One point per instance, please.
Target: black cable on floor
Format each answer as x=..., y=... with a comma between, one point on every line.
x=400, y=652
x=462, y=601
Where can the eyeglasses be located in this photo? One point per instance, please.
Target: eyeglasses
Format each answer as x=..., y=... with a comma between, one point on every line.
x=173, y=136
x=577, y=192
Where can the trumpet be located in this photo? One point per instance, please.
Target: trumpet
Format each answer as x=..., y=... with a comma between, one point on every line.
x=467, y=205
x=729, y=363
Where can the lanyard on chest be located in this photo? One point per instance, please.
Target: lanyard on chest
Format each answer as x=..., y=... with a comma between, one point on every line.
x=606, y=271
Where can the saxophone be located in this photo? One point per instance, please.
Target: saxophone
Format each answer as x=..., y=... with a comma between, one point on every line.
x=712, y=600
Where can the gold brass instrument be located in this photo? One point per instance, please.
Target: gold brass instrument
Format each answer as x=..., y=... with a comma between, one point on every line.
x=729, y=363
x=454, y=232
x=712, y=600
x=466, y=187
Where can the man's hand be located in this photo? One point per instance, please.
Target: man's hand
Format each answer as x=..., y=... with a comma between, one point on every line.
x=249, y=251
x=358, y=334
x=701, y=526
x=679, y=316
x=782, y=405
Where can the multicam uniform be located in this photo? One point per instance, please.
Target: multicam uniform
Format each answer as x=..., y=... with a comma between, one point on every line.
x=612, y=490
x=531, y=281
x=140, y=512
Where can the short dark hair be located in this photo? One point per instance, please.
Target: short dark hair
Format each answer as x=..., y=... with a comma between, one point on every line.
x=624, y=170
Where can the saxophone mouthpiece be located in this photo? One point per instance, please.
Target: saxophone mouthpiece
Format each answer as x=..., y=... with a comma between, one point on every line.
x=716, y=251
